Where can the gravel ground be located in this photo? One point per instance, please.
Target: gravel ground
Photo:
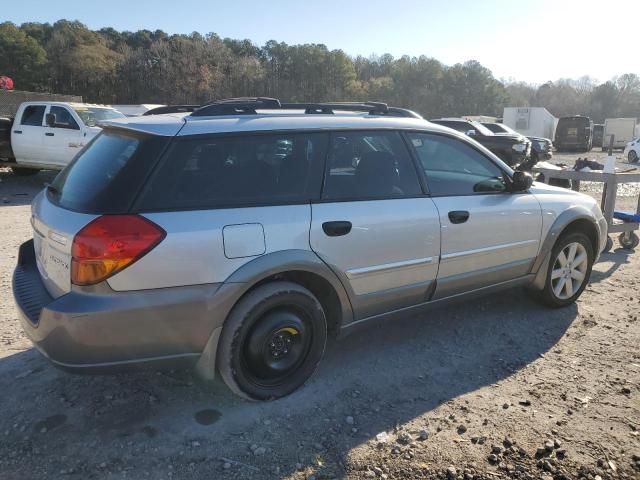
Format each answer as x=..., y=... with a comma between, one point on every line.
x=495, y=388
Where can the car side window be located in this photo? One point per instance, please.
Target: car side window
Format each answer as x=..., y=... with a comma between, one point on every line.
x=454, y=168
x=369, y=165
x=33, y=115
x=64, y=118
x=220, y=171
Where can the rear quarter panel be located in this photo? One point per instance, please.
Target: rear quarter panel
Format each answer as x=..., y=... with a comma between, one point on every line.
x=193, y=251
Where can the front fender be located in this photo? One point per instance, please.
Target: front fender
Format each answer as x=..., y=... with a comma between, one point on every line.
x=568, y=216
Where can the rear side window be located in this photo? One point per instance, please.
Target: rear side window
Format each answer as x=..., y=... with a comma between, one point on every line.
x=369, y=165
x=33, y=115
x=231, y=171
x=108, y=173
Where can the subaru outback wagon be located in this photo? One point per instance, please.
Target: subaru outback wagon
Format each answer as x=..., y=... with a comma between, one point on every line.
x=239, y=236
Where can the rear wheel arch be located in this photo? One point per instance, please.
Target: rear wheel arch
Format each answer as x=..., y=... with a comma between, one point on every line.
x=306, y=269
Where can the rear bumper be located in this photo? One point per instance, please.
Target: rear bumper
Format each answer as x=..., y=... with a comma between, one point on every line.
x=100, y=330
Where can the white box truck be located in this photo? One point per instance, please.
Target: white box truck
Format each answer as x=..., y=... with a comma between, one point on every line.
x=622, y=129
x=530, y=121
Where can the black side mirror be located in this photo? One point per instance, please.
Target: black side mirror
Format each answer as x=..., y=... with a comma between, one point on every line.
x=51, y=119
x=521, y=181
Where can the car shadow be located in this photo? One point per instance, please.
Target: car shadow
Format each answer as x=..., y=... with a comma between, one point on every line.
x=379, y=377
x=615, y=258
x=18, y=190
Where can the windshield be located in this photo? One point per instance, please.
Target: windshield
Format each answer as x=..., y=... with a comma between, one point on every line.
x=92, y=115
x=482, y=129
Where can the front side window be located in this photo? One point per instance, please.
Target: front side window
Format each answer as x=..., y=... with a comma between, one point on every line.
x=454, y=168
x=369, y=165
x=234, y=171
x=64, y=118
x=33, y=115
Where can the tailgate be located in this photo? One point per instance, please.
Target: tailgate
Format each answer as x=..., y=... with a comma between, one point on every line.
x=53, y=232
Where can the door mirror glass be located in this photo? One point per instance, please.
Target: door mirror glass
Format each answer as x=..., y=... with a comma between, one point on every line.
x=521, y=181
x=51, y=119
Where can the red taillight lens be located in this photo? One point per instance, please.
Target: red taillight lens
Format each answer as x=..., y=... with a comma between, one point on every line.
x=110, y=243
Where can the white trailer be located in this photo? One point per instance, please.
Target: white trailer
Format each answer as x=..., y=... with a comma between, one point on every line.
x=622, y=129
x=530, y=121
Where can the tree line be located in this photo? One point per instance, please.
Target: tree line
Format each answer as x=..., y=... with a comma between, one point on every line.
x=113, y=67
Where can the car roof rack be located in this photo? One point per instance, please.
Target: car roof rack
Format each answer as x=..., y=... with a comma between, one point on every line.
x=171, y=109
x=250, y=105
x=236, y=106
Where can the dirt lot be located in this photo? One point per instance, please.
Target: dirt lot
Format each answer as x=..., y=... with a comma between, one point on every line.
x=495, y=388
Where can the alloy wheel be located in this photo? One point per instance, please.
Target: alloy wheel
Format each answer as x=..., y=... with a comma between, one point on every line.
x=569, y=270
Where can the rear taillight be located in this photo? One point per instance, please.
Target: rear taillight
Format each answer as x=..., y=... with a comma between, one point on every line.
x=110, y=243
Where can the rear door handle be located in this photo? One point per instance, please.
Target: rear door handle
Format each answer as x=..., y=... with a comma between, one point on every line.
x=17, y=131
x=49, y=134
x=458, y=216
x=336, y=229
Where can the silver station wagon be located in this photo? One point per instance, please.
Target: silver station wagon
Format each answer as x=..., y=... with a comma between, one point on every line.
x=238, y=236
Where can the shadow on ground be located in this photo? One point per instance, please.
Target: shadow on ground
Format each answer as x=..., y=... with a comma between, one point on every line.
x=169, y=422
x=20, y=190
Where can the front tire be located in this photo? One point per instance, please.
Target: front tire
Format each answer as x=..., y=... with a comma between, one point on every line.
x=272, y=341
x=569, y=270
x=633, y=156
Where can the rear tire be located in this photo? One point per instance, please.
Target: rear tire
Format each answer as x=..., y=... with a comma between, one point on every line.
x=24, y=172
x=569, y=270
x=272, y=341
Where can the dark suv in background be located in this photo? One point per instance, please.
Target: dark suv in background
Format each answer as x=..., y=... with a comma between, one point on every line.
x=541, y=148
x=514, y=150
x=574, y=133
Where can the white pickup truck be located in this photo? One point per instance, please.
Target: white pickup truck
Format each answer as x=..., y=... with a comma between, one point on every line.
x=47, y=135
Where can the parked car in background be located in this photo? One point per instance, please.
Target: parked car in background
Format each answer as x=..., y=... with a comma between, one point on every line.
x=574, y=133
x=623, y=130
x=239, y=236
x=632, y=150
x=514, y=150
x=541, y=148
x=49, y=134
x=598, y=135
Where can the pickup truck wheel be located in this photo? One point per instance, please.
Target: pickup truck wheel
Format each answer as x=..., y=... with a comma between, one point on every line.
x=272, y=341
x=569, y=270
x=633, y=156
x=24, y=172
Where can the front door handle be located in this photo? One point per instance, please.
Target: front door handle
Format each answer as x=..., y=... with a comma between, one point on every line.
x=336, y=229
x=17, y=131
x=49, y=134
x=458, y=216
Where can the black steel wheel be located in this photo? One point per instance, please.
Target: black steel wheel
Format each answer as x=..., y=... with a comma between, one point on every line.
x=272, y=341
x=628, y=240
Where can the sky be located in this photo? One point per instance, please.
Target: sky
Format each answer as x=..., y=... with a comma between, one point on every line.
x=532, y=41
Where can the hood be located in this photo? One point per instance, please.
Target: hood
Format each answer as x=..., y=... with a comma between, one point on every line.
x=511, y=136
x=540, y=188
x=540, y=139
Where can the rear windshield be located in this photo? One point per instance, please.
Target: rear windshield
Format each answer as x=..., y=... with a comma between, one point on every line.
x=573, y=122
x=107, y=174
